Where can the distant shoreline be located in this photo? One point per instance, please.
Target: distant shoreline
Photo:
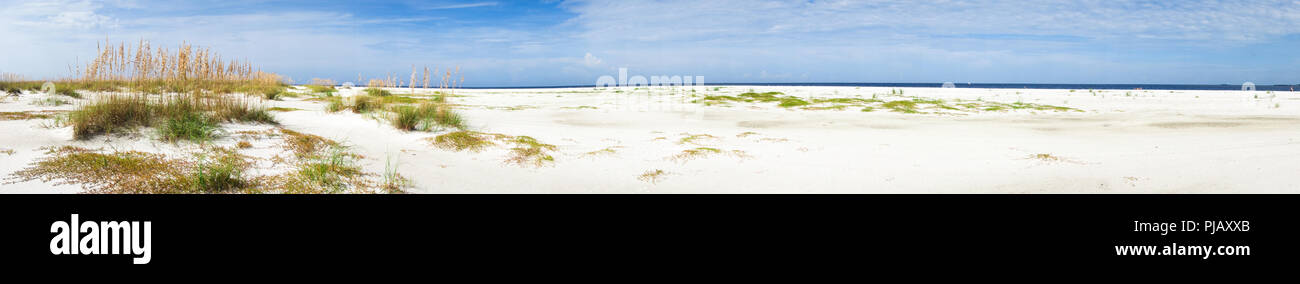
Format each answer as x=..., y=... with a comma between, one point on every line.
x=1162, y=87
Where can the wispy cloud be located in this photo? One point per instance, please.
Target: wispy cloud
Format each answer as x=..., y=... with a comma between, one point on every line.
x=549, y=42
x=462, y=6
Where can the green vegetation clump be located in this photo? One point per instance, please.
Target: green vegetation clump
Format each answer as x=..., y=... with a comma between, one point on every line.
x=119, y=172
x=692, y=154
x=652, y=176
x=465, y=140
x=404, y=113
x=188, y=126
x=273, y=94
x=335, y=104
x=914, y=105
x=181, y=114
x=220, y=171
x=327, y=91
x=321, y=166
x=529, y=152
x=378, y=92
x=902, y=106
x=51, y=101
x=67, y=93
x=362, y=104
x=792, y=102
x=695, y=138
x=424, y=117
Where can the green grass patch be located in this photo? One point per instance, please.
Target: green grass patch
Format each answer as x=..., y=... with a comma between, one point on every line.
x=108, y=114
x=378, y=92
x=190, y=126
x=425, y=117
x=902, y=106
x=465, y=140
x=529, y=152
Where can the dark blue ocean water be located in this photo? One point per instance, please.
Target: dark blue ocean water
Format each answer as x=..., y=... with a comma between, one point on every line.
x=1223, y=87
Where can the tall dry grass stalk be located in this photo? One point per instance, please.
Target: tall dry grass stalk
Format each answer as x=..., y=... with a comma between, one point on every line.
x=447, y=84
x=186, y=68
x=11, y=77
x=323, y=82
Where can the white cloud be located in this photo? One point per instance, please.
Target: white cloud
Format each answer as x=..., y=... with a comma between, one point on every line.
x=645, y=20
x=462, y=6
x=591, y=60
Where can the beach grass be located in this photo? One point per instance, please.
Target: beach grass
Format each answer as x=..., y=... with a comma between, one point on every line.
x=180, y=114
x=425, y=117
x=529, y=152
x=377, y=92
x=220, y=170
x=913, y=105
x=190, y=126
x=696, y=153
x=465, y=140
x=652, y=176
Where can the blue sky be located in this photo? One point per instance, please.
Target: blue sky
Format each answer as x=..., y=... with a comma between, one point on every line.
x=573, y=42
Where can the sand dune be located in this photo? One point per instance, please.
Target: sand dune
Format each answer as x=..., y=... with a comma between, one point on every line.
x=665, y=141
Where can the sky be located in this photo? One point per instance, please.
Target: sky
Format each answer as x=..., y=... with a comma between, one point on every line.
x=574, y=42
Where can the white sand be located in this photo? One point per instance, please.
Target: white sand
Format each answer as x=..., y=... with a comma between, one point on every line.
x=1143, y=142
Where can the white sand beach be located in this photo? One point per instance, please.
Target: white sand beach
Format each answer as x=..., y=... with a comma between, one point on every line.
x=613, y=140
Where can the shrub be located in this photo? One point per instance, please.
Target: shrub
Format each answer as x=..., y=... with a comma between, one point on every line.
x=378, y=92
x=425, y=117
x=462, y=140
x=335, y=104
x=188, y=126
x=68, y=92
x=179, y=114
x=273, y=94
x=217, y=173
x=361, y=104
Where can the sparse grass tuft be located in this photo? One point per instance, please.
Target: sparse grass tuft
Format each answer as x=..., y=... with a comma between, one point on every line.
x=117, y=172
x=304, y=145
x=51, y=101
x=333, y=171
x=323, y=90
x=394, y=182
x=1049, y=158
x=608, y=151
x=378, y=92
x=244, y=144
x=692, y=154
x=322, y=166
x=220, y=171
x=25, y=115
x=652, y=176
x=68, y=92
x=694, y=138
x=463, y=140
x=529, y=152
x=902, y=106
